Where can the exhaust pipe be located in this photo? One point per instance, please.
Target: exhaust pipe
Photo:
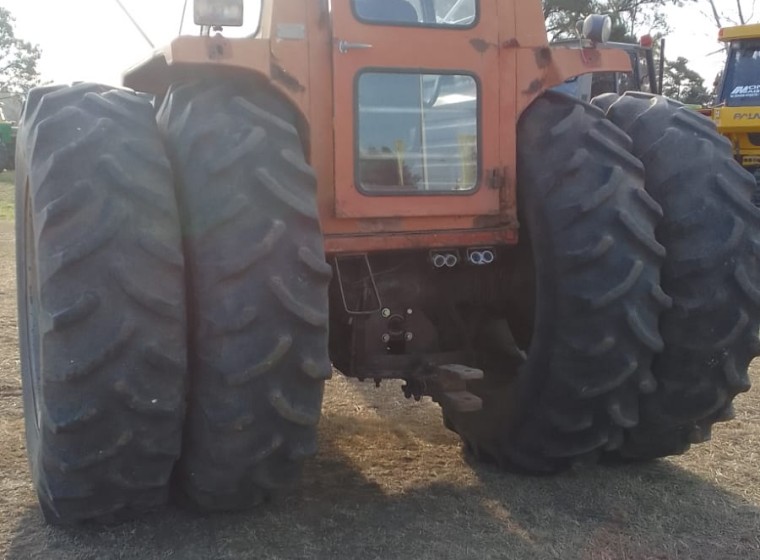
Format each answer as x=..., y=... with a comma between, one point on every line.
x=439, y=260
x=476, y=257
x=451, y=260
x=480, y=257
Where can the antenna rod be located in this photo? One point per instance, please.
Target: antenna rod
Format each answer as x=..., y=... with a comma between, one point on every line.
x=137, y=25
x=182, y=21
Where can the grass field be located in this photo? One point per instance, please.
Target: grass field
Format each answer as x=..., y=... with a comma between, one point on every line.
x=391, y=483
x=7, y=195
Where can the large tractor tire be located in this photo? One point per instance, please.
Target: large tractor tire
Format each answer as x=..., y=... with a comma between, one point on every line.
x=598, y=298
x=101, y=304
x=711, y=232
x=258, y=292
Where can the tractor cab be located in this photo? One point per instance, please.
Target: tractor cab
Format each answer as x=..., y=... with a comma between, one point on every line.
x=741, y=82
x=737, y=114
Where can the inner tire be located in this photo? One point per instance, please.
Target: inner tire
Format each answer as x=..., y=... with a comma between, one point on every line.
x=591, y=226
x=711, y=231
x=258, y=292
x=101, y=304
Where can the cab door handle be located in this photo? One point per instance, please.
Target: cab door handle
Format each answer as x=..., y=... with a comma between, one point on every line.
x=345, y=46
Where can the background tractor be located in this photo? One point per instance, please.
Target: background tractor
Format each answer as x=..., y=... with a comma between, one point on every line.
x=737, y=111
x=644, y=74
x=388, y=187
x=7, y=143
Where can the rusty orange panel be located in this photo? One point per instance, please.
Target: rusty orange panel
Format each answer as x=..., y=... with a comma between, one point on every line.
x=158, y=72
x=337, y=244
x=545, y=67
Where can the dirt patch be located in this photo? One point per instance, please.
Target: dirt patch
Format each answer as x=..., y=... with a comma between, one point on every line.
x=391, y=482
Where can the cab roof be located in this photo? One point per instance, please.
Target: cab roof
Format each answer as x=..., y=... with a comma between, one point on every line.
x=740, y=32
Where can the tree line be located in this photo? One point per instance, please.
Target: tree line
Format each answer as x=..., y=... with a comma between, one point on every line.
x=633, y=18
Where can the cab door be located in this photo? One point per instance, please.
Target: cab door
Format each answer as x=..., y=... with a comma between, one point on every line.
x=416, y=107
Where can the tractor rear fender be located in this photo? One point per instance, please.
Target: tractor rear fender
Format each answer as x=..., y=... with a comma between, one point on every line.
x=192, y=59
x=552, y=66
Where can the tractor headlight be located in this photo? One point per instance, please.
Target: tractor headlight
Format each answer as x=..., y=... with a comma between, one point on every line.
x=597, y=28
x=223, y=13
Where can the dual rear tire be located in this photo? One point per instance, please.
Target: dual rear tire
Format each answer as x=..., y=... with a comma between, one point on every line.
x=109, y=288
x=686, y=337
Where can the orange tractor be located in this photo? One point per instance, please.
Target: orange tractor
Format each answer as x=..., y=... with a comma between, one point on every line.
x=387, y=187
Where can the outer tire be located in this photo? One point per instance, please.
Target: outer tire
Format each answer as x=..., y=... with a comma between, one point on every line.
x=258, y=298
x=101, y=303
x=591, y=226
x=712, y=234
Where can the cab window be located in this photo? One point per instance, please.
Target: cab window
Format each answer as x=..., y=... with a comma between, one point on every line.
x=437, y=13
x=741, y=83
x=417, y=133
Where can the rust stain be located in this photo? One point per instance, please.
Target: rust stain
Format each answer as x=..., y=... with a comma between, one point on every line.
x=381, y=225
x=480, y=45
x=285, y=78
x=591, y=57
x=219, y=49
x=489, y=222
x=543, y=57
x=534, y=87
x=512, y=43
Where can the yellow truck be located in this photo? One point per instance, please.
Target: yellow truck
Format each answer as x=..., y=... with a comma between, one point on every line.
x=737, y=113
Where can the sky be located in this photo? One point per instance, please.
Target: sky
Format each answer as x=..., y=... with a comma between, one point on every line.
x=92, y=40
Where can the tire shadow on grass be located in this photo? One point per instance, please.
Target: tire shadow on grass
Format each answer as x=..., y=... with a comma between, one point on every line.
x=389, y=485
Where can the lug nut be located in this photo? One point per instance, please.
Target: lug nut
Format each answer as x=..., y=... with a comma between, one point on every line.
x=385, y=313
x=409, y=337
x=409, y=311
x=386, y=337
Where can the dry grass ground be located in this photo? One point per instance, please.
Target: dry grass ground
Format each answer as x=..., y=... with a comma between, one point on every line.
x=390, y=482
x=6, y=195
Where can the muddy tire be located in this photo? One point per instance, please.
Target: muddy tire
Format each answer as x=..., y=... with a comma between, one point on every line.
x=598, y=297
x=101, y=304
x=258, y=292
x=711, y=232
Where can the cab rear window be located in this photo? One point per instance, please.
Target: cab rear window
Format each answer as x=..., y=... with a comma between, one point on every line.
x=427, y=13
x=417, y=133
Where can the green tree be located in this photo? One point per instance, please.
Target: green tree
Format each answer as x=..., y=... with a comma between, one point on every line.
x=684, y=84
x=630, y=18
x=18, y=59
x=732, y=12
